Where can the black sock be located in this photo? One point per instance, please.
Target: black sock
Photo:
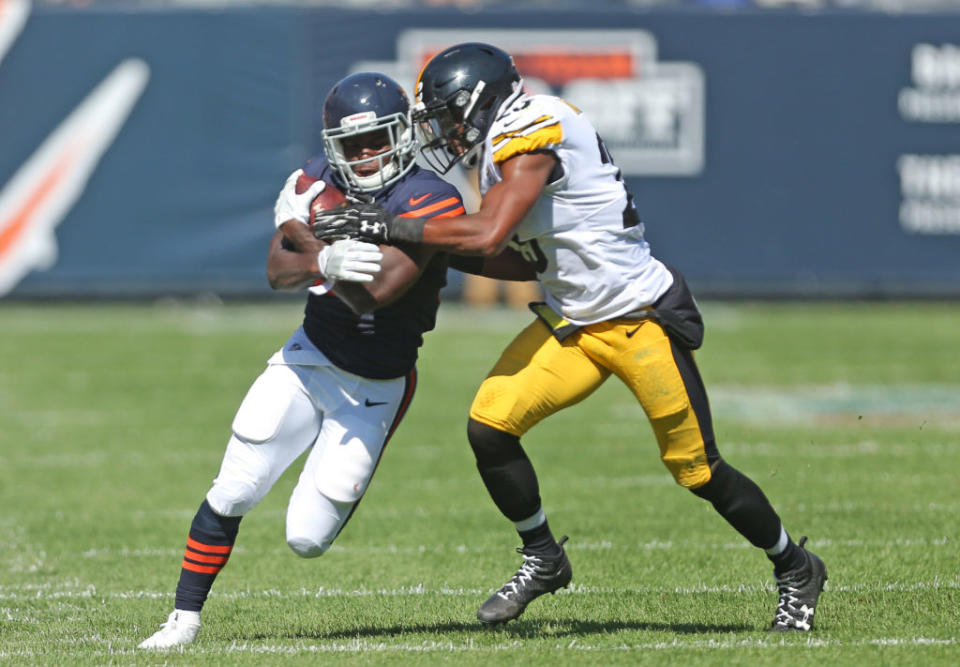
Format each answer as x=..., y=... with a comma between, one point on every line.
x=540, y=541
x=791, y=558
x=208, y=548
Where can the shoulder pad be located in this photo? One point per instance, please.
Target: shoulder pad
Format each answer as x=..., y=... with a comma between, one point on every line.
x=533, y=123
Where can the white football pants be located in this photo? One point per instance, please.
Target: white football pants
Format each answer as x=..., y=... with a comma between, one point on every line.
x=343, y=419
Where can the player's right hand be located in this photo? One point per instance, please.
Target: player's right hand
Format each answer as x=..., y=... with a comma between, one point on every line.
x=350, y=260
x=291, y=205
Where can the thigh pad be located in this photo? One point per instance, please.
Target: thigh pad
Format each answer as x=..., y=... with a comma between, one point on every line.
x=262, y=412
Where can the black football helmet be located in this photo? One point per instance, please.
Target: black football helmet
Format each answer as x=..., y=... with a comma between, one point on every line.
x=368, y=102
x=457, y=96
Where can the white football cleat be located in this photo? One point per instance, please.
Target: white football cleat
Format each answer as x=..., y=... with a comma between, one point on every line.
x=182, y=627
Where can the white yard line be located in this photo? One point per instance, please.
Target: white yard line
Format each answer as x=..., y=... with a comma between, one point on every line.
x=27, y=593
x=518, y=646
x=626, y=429
x=601, y=545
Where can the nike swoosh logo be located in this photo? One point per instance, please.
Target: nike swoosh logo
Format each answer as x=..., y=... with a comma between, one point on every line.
x=413, y=201
x=370, y=403
x=633, y=331
x=44, y=189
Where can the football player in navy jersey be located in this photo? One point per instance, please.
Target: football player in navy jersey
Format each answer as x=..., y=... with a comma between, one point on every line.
x=343, y=381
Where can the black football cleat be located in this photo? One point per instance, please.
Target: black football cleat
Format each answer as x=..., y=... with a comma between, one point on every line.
x=799, y=592
x=536, y=576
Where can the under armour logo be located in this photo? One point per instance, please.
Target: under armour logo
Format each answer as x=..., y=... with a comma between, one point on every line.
x=803, y=623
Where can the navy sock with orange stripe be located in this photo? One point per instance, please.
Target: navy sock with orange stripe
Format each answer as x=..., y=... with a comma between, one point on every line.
x=208, y=548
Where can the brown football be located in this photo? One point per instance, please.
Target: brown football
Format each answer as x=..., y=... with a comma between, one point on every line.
x=330, y=197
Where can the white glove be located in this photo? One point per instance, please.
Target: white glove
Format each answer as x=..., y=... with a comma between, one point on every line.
x=293, y=206
x=351, y=260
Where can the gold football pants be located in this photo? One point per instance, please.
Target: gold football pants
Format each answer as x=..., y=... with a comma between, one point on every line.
x=536, y=376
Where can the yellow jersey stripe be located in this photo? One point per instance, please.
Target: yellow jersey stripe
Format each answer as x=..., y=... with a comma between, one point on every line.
x=550, y=135
x=513, y=133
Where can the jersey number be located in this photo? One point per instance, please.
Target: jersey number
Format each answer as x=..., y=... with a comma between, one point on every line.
x=631, y=218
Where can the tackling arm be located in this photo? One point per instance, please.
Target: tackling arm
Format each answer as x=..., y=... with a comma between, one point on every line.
x=503, y=207
x=508, y=265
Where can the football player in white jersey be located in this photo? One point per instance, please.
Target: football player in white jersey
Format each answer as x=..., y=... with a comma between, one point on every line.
x=552, y=192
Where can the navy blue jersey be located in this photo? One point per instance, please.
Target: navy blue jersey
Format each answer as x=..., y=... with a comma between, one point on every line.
x=384, y=343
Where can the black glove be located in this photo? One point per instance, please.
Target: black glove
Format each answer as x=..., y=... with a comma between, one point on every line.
x=363, y=221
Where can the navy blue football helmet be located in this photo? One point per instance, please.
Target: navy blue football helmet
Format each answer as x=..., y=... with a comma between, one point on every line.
x=458, y=94
x=362, y=103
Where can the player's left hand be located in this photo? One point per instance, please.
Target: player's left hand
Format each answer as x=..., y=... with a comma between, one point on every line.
x=350, y=260
x=367, y=222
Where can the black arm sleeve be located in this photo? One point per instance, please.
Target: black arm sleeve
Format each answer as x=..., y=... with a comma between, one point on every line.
x=467, y=264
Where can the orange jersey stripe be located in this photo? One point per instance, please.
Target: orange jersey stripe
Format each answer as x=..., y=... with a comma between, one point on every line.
x=207, y=548
x=426, y=210
x=202, y=569
x=201, y=558
x=452, y=214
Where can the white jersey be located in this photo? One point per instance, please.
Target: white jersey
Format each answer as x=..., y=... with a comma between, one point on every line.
x=593, y=262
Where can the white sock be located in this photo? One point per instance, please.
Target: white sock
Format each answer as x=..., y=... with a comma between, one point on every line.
x=780, y=545
x=531, y=522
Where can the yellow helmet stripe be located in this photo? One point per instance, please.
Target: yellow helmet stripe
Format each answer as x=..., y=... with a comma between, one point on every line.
x=416, y=85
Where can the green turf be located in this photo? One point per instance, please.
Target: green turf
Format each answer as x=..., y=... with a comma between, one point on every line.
x=113, y=420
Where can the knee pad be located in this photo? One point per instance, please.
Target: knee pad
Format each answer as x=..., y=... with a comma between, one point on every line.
x=263, y=409
x=306, y=547
x=492, y=447
x=233, y=498
x=239, y=485
x=314, y=521
x=727, y=488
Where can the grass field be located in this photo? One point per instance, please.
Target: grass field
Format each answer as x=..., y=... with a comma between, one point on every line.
x=113, y=420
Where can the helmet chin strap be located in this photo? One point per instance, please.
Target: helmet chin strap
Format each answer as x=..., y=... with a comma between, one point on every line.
x=376, y=180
